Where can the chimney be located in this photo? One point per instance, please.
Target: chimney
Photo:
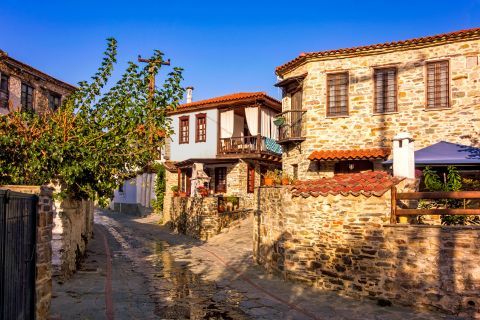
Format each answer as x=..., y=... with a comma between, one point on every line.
x=189, y=94
x=403, y=156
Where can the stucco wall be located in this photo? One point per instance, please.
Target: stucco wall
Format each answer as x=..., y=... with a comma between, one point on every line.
x=364, y=129
x=208, y=149
x=346, y=244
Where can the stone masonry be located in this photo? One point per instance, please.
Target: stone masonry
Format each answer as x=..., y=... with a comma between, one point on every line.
x=43, y=84
x=346, y=244
x=363, y=128
x=73, y=227
x=43, y=272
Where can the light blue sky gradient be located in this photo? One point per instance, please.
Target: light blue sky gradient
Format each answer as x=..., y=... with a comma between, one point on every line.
x=224, y=46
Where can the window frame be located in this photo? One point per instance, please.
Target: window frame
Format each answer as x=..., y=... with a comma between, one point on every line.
x=347, y=107
x=52, y=94
x=218, y=172
x=431, y=62
x=6, y=92
x=181, y=124
x=250, y=179
x=26, y=107
x=200, y=136
x=375, y=92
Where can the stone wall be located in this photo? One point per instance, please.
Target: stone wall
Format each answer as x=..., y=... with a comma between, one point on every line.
x=43, y=85
x=73, y=227
x=365, y=129
x=199, y=217
x=43, y=274
x=171, y=179
x=346, y=244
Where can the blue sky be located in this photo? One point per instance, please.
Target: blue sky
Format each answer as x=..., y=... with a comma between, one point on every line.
x=224, y=46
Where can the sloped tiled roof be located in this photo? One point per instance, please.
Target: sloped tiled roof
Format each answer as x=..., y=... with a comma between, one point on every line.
x=360, y=154
x=229, y=98
x=369, y=49
x=373, y=183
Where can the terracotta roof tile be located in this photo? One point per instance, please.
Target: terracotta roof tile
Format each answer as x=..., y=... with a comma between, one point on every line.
x=358, y=154
x=373, y=183
x=429, y=40
x=234, y=97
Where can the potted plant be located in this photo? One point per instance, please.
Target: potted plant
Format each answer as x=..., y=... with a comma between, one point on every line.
x=270, y=177
x=202, y=191
x=175, y=190
x=286, y=179
x=232, y=203
x=279, y=121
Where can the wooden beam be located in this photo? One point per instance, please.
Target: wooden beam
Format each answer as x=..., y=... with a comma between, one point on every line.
x=439, y=195
x=458, y=212
x=393, y=204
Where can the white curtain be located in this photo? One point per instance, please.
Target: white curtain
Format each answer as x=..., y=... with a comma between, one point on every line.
x=227, y=121
x=251, y=114
x=266, y=121
x=273, y=127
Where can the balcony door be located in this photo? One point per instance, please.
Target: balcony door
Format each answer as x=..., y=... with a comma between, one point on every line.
x=296, y=107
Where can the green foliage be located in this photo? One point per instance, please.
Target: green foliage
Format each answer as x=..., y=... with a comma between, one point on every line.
x=98, y=138
x=452, y=182
x=160, y=187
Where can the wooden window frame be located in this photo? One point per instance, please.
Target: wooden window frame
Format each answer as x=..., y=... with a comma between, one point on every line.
x=427, y=64
x=375, y=95
x=250, y=179
x=218, y=188
x=200, y=136
x=25, y=106
x=181, y=124
x=51, y=100
x=329, y=114
x=4, y=94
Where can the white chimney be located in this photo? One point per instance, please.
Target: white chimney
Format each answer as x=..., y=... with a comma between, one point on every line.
x=403, y=156
x=189, y=94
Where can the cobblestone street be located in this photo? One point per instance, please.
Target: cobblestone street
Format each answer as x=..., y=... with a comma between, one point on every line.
x=137, y=269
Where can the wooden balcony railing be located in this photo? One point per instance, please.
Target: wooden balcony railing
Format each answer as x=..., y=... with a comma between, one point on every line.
x=290, y=128
x=247, y=145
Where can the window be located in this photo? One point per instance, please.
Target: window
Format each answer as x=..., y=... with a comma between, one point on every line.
x=221, y=179
x=251, y=179
x=437, y=85
x=27, y=97
x=4, y=94
x=54, y=101
x=337, y=94
x=354, y=166
x=385, y=90
x=185, y=182
x=295, y=171
x=201, y=128
x=184, y=129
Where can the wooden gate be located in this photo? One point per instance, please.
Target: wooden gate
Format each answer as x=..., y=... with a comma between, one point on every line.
x=18, y=213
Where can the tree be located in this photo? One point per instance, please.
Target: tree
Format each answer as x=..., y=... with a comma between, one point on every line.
x=98, y=137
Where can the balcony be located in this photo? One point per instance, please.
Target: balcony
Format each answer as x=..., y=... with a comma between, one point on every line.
x=249, y=147
x=290, y=126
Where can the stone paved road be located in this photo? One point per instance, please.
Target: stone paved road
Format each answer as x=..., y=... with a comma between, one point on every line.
x=159, y=275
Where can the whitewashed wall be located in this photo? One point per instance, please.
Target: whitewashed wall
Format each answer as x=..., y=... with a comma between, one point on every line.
x=203, y=150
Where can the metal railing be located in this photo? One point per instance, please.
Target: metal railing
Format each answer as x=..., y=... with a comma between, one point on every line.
x=291, y=128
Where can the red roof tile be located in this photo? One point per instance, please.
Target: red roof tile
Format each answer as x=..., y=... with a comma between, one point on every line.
x=373, y=183
x=350, y=154
x=229, y=98
x=429, y=40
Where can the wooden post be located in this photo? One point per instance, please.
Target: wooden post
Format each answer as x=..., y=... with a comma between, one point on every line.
x=259, y=135
x=393, y=214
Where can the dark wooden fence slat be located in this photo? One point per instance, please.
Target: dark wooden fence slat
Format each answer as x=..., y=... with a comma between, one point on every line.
x=438, y=195
x=416, y=212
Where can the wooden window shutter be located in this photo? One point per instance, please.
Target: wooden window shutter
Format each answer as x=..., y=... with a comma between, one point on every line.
x=438, y=87
x=337, y=94
x=385, y=90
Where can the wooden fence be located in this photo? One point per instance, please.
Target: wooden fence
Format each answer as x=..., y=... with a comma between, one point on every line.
x=432, y=196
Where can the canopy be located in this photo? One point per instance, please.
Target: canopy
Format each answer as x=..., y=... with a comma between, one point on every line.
x=446, y=153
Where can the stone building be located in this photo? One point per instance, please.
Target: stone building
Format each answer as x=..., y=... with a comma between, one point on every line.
x=22, y=87
x=341, y=108
x=223, y=143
